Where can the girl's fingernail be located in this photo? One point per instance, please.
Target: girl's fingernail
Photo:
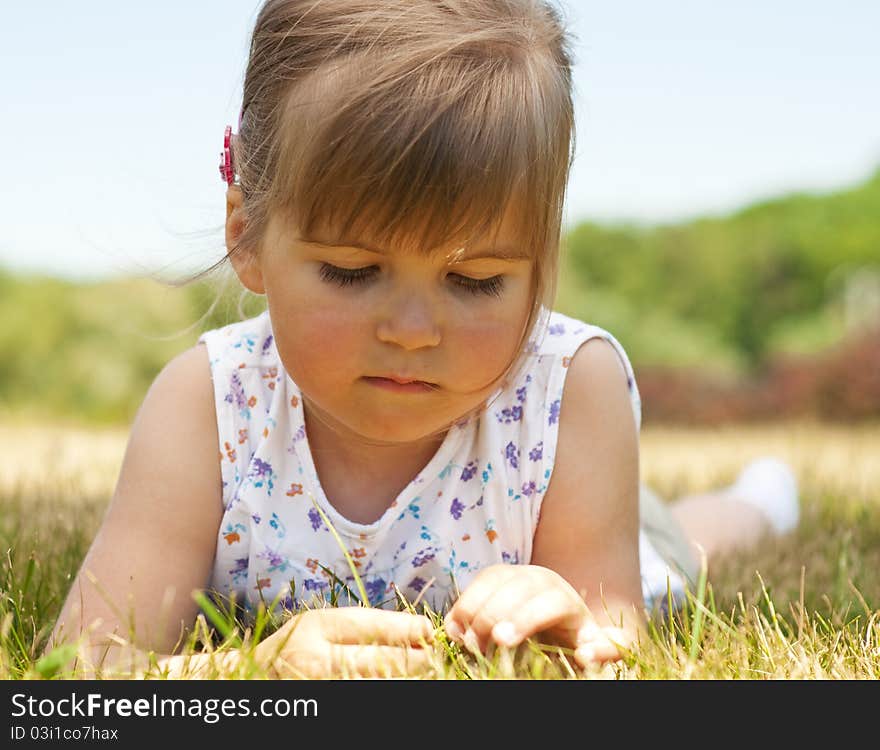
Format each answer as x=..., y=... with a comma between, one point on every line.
x=588, y=632
x=585, y=655
x=504, y=633
x=453, y=630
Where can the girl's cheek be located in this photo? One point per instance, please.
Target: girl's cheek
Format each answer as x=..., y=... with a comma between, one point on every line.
x=495, y=340
x=328, y=332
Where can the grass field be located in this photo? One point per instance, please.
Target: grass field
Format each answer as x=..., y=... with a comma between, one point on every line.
x=800, y=608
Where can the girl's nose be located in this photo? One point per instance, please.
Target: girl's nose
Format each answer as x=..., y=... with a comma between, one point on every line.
x=410, y=321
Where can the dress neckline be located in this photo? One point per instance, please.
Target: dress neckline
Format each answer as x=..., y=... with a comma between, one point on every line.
x=342, y=524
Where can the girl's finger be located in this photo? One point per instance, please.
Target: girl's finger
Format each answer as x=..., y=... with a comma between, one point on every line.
x=473, y=598
x=364, y=625
x=549, y=609
x=598, y=645
x=380, y=661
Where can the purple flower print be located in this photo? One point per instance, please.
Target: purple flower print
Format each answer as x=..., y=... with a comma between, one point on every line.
x=315, y=519
x=512, y=455
x=236, y=393
x=528, y=489
x=512, y=559
x=511, y=414
x=262, y=468
x=275, y=560
x=417, y=584
x=554, y=412
x=300, y=434
x=556, y=330
x=240, y=571
x=456, y=509
x=256, y=517
x=423, y=557
x=537, y=453
x=267, y=343
x=261, y=472
x=375, y=589
x=521, y=394
x=469, y=471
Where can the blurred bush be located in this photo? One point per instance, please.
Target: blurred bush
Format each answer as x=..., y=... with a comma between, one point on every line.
x=840, y=384
x=90, y=351
x=792, y=274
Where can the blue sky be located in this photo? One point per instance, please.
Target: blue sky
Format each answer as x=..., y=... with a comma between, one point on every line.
x=112, y=115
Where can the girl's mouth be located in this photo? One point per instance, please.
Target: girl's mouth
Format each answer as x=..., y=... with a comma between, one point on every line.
x=414, y=386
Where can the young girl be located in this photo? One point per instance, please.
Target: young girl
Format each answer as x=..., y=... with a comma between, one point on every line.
x=408, y=404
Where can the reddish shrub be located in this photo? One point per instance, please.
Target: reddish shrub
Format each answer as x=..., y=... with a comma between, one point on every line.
x=842, y=383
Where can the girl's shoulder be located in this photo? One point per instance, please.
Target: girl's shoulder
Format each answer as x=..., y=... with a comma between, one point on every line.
x=558, y=338
x=244, y=344
x=562, y=335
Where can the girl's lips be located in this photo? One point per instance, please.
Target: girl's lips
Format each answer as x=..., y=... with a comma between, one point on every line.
x=416, y=386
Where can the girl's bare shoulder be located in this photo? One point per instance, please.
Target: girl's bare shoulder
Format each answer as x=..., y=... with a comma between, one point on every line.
x=174, y=441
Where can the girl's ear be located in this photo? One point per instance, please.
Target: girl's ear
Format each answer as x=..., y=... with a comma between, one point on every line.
x=244, y=261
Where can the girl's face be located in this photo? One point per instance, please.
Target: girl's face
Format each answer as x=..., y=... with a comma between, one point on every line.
x=342, y=315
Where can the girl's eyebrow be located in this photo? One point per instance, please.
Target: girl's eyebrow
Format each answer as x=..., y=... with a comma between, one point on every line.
x=501, y=253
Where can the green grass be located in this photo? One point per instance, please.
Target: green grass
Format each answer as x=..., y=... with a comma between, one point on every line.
x=804, y=607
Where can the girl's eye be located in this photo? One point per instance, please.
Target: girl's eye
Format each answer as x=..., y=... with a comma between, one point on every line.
x=346, y=276
x=350, y=277
x=492, y=286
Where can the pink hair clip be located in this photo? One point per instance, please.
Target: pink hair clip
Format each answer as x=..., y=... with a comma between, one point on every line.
x=227, y=172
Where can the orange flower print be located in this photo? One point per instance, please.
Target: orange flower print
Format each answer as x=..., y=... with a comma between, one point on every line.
x=312, y=564
x=359, y=552
x=231, y=533
x=295, y=489
x=265, y=432
x=466, y=538
x=294, y=401
x=272, y=373
x=230, y=452
x=263, y=583
x=252, y=401
x=241, y=365
x=566, y=361
x=242, y=436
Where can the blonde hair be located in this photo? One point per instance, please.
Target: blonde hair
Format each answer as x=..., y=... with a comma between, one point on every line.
x=415, y=123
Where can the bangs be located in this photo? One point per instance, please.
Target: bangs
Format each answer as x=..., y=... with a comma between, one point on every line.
x=421, y=159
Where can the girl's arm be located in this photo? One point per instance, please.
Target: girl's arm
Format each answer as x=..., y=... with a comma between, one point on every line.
x=583, y=588
x=157, y=540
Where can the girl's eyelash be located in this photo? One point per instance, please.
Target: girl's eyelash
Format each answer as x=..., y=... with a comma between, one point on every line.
x=349, y=277
x=345, y=276
x=492, y=286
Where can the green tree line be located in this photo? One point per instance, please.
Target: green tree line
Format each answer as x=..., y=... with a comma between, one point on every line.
x=719, y=292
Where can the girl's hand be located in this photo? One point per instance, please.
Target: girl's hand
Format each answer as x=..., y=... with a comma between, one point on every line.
x=349, y=642
x=506, y=604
